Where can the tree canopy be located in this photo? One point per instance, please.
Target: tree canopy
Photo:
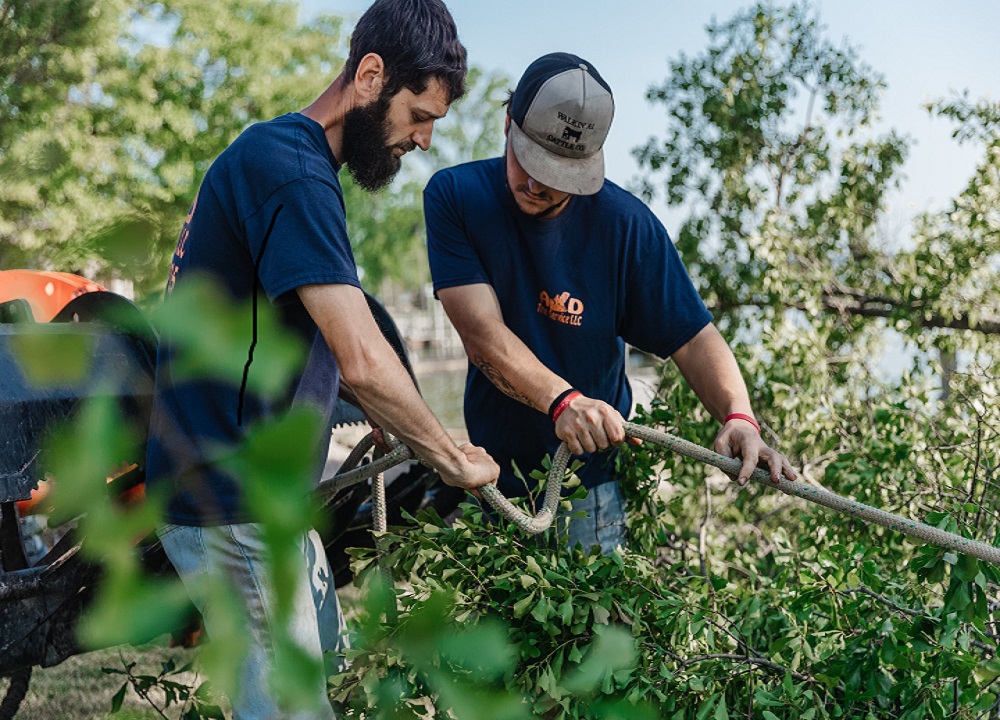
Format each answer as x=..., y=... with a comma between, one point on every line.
x=770, y=143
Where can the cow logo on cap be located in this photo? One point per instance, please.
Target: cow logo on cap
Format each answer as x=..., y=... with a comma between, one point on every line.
x=571, y=134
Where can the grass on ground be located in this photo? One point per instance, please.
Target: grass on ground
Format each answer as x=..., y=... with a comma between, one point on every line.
x=77, y=689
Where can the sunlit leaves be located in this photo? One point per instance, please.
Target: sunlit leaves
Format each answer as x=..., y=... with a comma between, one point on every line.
x=769, y=149
x=222, y=656
x=85, y=452
x=613, y=651
x=132, y=610
x=277, y=462
x=567, y=649
x=84, y=150
x=196, y=703
x=127, y=244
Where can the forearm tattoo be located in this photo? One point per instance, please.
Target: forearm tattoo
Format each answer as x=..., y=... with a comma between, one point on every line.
x=502, y=383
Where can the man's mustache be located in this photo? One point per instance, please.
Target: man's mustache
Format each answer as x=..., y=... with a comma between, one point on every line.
x=523, y=187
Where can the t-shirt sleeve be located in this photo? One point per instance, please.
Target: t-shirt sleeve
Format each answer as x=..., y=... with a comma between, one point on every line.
x=452, y=257
x=662, y=309
x=299, y=237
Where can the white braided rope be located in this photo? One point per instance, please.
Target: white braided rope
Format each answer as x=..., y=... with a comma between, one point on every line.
x=380, y=515
x=380, y=520
x=822, y=497
x=532, y=525
x=350, y=474
x=540, y=522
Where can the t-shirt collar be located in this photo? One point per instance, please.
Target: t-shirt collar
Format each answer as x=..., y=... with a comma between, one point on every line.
x=320, y=134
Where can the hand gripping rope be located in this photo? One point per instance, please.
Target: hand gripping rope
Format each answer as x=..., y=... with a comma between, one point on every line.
x=351, y=475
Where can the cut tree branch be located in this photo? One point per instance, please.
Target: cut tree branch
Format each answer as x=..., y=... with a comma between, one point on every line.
x=763, y=662
x=852, y=302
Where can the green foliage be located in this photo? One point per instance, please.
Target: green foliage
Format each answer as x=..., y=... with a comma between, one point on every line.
x=951, y=273
x=492, y=624
x=50, y=356
x=153, y=93
x=730, y=602
x=735, y=602
x=276, y=461
x=767, y=141
x=38, y=65
x=191, y=703
x=769, y=147
x=463, y=666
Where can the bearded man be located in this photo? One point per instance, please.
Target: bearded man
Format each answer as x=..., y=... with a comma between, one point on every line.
x=269, y=220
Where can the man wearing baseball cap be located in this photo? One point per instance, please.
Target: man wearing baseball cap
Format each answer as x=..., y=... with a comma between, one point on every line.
x=546, y=270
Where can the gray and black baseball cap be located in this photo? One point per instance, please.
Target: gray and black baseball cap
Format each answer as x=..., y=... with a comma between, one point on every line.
x=561, y=112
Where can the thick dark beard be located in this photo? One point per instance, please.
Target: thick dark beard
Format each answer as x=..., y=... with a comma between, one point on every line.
x=367, y=154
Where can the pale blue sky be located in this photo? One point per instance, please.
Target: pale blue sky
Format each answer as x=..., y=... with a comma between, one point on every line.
x=926, y=49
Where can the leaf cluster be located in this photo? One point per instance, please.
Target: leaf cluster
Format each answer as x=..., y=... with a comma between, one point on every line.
x=275, y=462
x=770, y=150
x=191, y=703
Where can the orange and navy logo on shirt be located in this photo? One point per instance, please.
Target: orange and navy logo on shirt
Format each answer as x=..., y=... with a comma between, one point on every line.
x=561, y=308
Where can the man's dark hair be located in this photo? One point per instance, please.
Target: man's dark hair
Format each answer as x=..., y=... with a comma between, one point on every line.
x=416, y=39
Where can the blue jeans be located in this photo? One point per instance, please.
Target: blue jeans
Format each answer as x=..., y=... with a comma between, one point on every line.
x=238, y=553
x=604, y=524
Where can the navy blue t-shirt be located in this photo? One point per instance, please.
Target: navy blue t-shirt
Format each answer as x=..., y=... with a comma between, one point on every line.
x=574, y=288
x=284, y=163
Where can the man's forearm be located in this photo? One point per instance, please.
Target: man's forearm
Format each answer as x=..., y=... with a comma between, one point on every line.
x=584, y=424
x=513, y=368
x=709, y=367
x=372, y=371
x=389, y=397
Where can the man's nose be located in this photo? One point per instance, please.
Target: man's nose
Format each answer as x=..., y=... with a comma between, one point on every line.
x=536, y=187
x=422, y=137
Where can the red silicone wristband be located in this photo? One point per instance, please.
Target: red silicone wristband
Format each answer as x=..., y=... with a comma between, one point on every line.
x=565, y=404
x=742, y=416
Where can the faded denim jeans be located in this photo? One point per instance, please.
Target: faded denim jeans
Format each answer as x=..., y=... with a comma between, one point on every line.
x=604, y=524
x=237, y=552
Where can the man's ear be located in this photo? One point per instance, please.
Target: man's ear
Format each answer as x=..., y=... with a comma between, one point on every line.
x=369, y=78
x=506, y=125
